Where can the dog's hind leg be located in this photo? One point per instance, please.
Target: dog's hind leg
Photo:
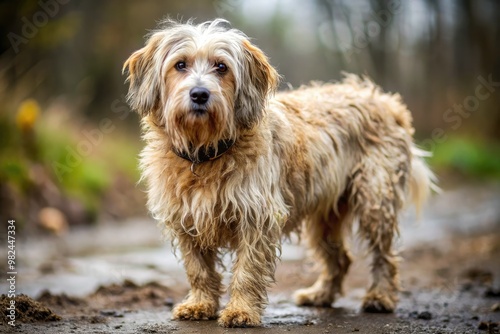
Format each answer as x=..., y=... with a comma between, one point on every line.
x=326, y=239
x=378, y=193
x=202, y=302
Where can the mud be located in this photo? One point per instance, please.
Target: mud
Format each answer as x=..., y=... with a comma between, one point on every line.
x=450, y=284
x=27, y=310
x=443, y=292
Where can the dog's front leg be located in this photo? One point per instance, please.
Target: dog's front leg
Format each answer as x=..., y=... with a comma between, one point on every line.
x=202, y=302
x=253, y=272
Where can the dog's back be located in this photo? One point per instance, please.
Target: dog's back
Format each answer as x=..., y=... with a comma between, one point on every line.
x=342, y=122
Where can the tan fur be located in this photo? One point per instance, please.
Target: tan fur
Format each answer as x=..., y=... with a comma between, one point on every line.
x=317, y=158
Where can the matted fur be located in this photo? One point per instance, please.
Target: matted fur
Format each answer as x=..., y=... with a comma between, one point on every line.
x=316, y=158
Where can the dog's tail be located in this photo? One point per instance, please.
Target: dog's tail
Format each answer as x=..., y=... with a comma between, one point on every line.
x=422, y=181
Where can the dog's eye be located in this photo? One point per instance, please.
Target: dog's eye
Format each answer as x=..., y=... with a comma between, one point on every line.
x=180, y=66
x=221, y=67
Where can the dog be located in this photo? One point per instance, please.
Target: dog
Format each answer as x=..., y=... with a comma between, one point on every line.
x=232, y=165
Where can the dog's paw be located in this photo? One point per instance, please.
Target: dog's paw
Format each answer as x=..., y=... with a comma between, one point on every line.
x=233, y=317
x=194, y=311
x=375, y=302
x=313, y=297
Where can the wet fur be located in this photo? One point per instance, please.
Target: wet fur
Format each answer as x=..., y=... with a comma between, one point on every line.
x=314, y=159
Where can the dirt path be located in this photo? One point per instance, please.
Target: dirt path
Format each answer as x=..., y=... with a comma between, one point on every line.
x=122, y=279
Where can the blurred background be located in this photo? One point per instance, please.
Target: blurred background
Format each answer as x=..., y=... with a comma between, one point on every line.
x=69, y=143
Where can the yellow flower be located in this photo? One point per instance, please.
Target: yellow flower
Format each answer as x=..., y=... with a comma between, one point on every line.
x=27, y=114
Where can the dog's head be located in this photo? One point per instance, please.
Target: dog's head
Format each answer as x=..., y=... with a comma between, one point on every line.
x=201, y=83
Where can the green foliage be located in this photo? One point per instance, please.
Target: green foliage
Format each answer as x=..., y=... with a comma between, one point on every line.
x=12, y=165
x=87, y=179
x=468, y=156
x=14, y=170
x=92, y=175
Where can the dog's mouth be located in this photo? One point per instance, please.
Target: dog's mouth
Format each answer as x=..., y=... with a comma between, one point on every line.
x=199, y=110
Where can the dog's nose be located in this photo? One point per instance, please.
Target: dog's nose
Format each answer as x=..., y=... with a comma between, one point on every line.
x=199, y=95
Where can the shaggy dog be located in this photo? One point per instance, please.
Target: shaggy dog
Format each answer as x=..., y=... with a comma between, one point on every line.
x=231, y=165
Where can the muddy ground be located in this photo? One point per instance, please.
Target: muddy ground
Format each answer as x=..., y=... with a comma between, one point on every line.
x=123, y=279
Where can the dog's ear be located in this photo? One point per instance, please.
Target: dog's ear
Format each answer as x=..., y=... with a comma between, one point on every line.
x=144, y=81
x=258, y=80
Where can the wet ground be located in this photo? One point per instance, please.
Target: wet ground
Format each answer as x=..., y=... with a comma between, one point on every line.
x=121, y=278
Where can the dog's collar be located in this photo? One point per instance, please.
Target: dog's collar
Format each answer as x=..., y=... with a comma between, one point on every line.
x=206, y=154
